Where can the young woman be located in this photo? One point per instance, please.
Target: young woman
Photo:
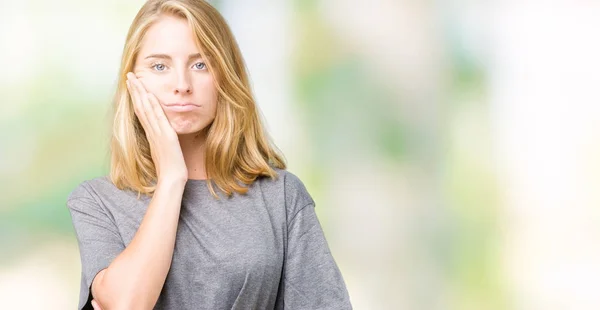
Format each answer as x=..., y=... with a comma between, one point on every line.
x=198, y=211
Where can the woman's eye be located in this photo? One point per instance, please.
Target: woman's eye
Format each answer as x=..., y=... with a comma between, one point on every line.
x=158, y=67
x=200, y=65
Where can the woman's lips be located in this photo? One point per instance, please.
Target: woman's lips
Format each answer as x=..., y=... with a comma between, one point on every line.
x=181, y=107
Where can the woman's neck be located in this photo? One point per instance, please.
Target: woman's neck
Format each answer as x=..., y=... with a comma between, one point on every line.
x=193, y=147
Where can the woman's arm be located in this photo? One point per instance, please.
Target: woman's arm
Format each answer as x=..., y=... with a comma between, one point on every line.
x=135, y=278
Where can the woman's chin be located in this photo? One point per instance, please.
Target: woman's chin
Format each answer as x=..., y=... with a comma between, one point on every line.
x=186, y=129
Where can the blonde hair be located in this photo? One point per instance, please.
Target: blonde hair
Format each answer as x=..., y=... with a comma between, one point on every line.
x=238, y=150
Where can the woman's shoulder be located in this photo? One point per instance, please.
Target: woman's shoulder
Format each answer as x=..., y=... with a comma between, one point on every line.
x=290, y=185
x=84, y=188
x=95, y=188
x=283, y=180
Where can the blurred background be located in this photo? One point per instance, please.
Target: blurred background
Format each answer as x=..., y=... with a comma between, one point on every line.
x=452, y=147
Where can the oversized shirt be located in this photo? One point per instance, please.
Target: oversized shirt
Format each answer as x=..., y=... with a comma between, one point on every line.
x=261, y=250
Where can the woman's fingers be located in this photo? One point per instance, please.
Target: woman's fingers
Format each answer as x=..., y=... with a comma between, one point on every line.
x=137, y=106
x=141, y=97
x=95, y=305
x=161, y=117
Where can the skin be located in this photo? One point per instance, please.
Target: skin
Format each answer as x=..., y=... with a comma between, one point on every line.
x=177, y=142
x=179, y=78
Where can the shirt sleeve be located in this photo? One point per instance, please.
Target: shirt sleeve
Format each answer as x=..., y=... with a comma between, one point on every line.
x=311, y=277
x=97, y=235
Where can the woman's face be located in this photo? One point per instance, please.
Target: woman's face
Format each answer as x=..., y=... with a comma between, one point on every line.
x=169, y=66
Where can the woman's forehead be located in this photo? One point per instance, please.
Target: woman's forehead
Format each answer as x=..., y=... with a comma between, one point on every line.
x=170, y=36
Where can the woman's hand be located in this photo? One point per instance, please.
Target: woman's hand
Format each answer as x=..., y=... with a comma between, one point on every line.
x=164, y=143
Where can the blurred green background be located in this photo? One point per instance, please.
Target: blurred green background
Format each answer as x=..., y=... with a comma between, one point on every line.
x=451, y=147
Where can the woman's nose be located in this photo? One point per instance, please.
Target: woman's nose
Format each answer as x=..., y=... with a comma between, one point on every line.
x=183, y=85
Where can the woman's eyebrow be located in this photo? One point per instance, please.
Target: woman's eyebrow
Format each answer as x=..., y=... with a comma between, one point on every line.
x=165, y=56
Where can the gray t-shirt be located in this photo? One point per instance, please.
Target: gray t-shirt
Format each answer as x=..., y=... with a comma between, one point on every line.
x=262, y=250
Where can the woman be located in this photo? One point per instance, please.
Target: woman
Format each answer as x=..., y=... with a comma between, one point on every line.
x=198, y=211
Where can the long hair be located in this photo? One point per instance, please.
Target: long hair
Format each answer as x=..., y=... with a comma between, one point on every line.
x=238, y=150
